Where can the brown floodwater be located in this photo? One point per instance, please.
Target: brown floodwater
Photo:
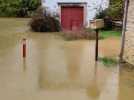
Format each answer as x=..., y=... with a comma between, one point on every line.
x=55, y=69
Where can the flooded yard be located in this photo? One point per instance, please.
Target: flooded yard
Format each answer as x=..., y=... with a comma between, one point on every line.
x=56, y=69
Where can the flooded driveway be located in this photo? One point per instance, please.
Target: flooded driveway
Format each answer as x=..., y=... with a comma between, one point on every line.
x=56, y=69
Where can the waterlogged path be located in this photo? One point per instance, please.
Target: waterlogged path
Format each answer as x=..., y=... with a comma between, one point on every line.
x=56, y=69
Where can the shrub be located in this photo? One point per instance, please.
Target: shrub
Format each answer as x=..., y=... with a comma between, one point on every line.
x=82, y=34
x=44, y=22
x=108, y=61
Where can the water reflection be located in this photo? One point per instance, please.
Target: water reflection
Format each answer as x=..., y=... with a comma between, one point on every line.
x=68, y=66
x=61, y=70
x=126, y=85
x=71, y=73
x=24, y=64
x=73, y=55
x=93, y=90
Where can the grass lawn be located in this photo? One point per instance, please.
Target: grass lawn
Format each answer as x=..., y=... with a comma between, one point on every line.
x=110, y=33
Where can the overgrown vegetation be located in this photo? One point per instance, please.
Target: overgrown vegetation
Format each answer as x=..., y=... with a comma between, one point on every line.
x=80, y=34
x=43, y=21
x=18, y=8
x=108, y=61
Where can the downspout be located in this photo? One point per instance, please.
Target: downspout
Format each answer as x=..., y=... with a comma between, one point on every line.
x=126, y=5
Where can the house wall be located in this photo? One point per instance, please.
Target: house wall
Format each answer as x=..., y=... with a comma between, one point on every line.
x=52, y=5
x=129, y=41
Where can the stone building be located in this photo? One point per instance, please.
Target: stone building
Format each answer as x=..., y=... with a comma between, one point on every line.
x=128, y=55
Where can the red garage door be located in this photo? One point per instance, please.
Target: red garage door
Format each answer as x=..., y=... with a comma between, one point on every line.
x=72, y=18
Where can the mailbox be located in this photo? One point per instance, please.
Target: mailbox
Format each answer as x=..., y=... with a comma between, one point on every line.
x=97, y=24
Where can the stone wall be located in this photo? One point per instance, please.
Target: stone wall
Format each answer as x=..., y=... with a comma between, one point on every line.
x=129, y=42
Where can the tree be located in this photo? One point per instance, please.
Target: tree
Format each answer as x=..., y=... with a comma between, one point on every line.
x=21, y=8
x=27, y=7
x=114, y=11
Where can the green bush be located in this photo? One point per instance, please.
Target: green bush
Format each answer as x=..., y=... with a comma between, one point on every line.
x=44, y=22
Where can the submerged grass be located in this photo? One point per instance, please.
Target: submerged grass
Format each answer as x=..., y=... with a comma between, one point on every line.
x=87, y=34
x=108, y=61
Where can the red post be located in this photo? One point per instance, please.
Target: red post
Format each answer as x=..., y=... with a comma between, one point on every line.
x=24, y=48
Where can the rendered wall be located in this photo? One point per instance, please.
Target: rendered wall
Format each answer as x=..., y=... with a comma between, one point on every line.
x=129, y=42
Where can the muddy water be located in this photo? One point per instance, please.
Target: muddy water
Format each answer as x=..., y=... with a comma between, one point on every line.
x=110, y=47
x=56, y=69
x=126, y=85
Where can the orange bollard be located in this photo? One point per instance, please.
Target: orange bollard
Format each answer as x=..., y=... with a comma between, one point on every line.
x=24, y=48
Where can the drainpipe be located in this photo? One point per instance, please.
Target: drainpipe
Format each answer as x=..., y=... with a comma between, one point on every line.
x=126, y=5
